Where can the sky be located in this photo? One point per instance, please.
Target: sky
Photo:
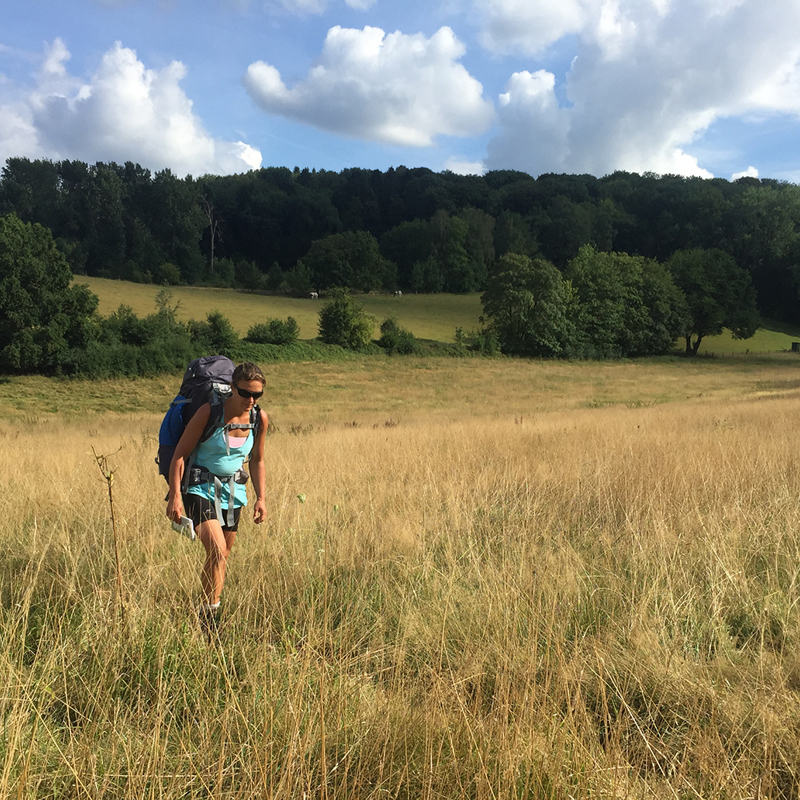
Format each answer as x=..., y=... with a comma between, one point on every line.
x=707, y=88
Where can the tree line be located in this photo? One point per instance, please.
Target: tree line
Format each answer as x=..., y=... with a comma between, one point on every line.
x=50, y=325
x=607, y=305
x=295, y=231
x=603, y=305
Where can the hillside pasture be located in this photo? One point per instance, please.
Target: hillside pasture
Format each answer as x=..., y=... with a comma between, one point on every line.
x=427, y=316
x=478, y=578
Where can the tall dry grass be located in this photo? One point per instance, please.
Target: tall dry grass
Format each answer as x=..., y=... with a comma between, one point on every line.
x=594, y=602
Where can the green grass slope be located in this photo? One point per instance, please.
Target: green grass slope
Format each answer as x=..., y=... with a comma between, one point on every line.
x=426, y=316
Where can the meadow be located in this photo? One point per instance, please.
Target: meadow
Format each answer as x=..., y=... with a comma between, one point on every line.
x=427, y=316
x=478, y=578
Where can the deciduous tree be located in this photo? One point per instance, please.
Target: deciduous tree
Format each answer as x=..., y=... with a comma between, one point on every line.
x=41, y=315
x=349, y=259
x=719, y=294
x=528, y=305
x=629, y=305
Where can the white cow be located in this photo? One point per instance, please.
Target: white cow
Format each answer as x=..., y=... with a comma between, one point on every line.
x=314, y=295
x=398, y=293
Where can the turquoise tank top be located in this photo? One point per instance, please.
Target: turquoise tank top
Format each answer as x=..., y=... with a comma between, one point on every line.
x=214, y=456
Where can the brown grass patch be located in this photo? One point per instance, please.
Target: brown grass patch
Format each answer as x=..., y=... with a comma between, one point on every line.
x=546, y=580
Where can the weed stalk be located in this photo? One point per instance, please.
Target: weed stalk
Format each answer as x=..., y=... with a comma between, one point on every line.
x=108, y=476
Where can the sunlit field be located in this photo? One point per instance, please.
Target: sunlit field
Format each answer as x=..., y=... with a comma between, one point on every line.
x=427, y=316
x=480, y=578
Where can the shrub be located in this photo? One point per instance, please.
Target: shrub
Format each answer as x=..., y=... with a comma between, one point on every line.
x=223, y=274
x=395, y=339
x=274, y=277
x=167, y=273
x=298, y=280
x=484, y=341
x=115, y=360
x=129, y=346
x=125, y=327
x=248, y=275
x=343, y=321
x=215, y=335
x=275, y=331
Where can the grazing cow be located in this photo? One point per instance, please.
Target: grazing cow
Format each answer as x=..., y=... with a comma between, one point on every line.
x=314, y=295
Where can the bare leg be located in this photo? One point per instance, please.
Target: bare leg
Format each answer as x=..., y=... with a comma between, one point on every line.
x=215, y=541
x=230, y=538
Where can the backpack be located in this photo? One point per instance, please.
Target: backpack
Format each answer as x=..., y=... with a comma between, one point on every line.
x=206, y=380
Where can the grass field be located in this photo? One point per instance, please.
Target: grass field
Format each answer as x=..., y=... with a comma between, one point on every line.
x=478, y=578
x=427, y=316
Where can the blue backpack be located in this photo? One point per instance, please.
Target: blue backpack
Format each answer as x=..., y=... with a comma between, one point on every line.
x=207, y=380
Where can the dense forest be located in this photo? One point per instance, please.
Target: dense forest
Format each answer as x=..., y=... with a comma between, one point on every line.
x=297, y=230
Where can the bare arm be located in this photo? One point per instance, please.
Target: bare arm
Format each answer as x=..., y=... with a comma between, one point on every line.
x=258, y=470
x=188, y=442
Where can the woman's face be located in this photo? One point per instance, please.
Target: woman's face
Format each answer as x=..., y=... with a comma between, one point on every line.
x=246, y=393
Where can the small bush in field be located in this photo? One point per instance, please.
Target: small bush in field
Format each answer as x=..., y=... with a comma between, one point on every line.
x=484, y=341
x=395, y=339
x=215, y=335
x=275, y=331
x=343, y=321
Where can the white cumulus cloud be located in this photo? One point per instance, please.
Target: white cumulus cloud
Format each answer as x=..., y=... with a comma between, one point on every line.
x=463, y=167
x=534, y=128
x=17, y=134
x=750, y=172
x=648, y=78
x=529, y=26
x=397, y=89
x=125, y=112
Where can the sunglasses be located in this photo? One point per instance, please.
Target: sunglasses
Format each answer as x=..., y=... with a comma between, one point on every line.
x=245, y=393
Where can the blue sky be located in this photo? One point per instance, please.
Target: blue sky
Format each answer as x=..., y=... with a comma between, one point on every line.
x=694, y=87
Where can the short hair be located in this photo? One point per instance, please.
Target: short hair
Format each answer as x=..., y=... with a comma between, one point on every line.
x=248, y=371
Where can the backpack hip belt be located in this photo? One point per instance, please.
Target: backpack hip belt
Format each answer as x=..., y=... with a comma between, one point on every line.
x=197, y=475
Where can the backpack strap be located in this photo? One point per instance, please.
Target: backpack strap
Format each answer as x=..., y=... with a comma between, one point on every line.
x=252, y=425
x=229, y=516
x=215, y=417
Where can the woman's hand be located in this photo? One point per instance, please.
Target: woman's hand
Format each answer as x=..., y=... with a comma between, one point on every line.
x=259, y=511
x=175, y=508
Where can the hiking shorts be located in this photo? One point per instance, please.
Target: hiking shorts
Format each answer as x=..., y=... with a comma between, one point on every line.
x=199, y=510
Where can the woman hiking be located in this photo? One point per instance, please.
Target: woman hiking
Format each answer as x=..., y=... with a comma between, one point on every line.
x=213, y=492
